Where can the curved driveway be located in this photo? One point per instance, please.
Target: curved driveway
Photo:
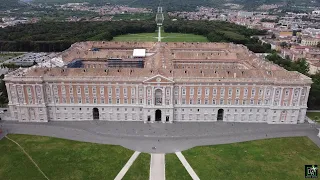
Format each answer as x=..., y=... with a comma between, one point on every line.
x=162, y=138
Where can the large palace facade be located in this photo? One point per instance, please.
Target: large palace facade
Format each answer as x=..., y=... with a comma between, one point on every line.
x=150, y=82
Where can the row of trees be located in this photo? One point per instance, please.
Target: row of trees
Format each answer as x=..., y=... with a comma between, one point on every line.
x=58, y=36
x=221, y=31
x=302, y=66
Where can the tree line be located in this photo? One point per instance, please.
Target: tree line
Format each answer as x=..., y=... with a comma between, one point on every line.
x=221, y=31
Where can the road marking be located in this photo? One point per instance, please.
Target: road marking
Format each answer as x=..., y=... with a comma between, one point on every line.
x=185, y=163
x=28, y=156
x=127, y=166
x=157, y=167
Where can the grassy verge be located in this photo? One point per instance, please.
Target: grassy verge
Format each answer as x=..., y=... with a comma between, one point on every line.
x=314, y=116
x=280, y=158
x=139, y=169
x=60, y=159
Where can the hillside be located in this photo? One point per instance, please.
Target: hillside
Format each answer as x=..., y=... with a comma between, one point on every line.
x=188, y=5
x=10, y=4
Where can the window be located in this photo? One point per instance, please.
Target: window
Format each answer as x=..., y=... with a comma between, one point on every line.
x=149, y=102
x=149, y=92
x=101, y=90
x=125, y=101
x=245, y=92
x=238, y=92
x=117, y=91
x=206, y=101
x=229, y=101
x=101, y=100
x=175, y=101
x=30, y=99
x=221, y=101
x=277, y=92
x=94, y=100
x=191, y=91
x=94, y=89
x=207, y=91
x=125, y=91
x=287, y=92
x=199, y=101
x=55, y=89
x=176, y=91
x=56, y=99
x=133, y=91
x=63, y=89
x=259, y=102
x=118, y=101
x=167, y=101
x=70, y=90
x=132, y=101
x=87, y=100
x=140, y=101
x=266, y=101
x=64, y=100
x=260, y=92
x=251, y=101
x=109, y=91
x=296, y=92
x=237, y=101
x=199, y=91
x=253, y=92
x=79, y=100
x=110, y=101
x=183, y=101
x=244, y=102
x=167, y=92
x=214, y=91
x=86, y=90
x=222, y=92
x=213, y=101
x=268, y=92
x=78, y=90
x=230, y=92
x=285, y=103
x=191, y=101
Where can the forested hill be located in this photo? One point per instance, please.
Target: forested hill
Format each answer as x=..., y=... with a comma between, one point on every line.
x=9, y=4
x=188, y=5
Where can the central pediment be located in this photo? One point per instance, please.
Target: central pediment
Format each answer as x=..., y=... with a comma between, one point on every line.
x=158, y=79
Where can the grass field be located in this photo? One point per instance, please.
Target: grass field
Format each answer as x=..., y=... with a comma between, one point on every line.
x=174, y=169
x=166, y=37
x=314, y=116
x=59, y=159
x=281, y=158
x=139, y=169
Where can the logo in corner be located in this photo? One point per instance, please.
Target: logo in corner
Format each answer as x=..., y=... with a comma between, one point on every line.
x=311, y=171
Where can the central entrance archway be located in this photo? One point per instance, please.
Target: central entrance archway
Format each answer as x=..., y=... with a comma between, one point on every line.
x=158, y=115
x=95, y=113
x=220, y=115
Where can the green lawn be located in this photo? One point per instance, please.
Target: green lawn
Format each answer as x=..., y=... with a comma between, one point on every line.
x=314, y=116
x=60, y=159
x=166, y=37
x=174, y=169
x=139, y=169
x=280, y=158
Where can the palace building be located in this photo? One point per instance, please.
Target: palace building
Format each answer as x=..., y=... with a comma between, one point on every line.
x=157, y=81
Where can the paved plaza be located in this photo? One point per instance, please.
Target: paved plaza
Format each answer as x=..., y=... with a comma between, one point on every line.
x=162, y=138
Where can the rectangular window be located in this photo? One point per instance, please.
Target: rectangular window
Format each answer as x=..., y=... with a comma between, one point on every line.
x=149, y=92
x=229, y=101
x=245, y=92
x=71, y=100
x=125, y=91
x=70, y=90
x=167, y=101
x=94, y=90
x=238, y=92
x=140, y=101
x=167, y=92
x=78, y=90
x=101, y=90
x=222, y=92
x=206, y=101
x=259, y=102
x=118, y=101
x=64, y=100
x=87, y=100
x=199, y=91
x=191, y=91
x=207, y=91
x=213, y=101
x=253, y=92
x=149, y=102
x=110, y=101
x=214, y=91
x=55, y=89
x=94, y=100
x=176, y=91
x=63, y=89
x=86, y=90
x=277, y=92
x=125, y=101
x=287, y=92
x=191, y=101
x=56, y=99
x=183, y=91
x=30, y=99
x=175, y=101
x=221, y=102
x=199, y=101
x=260, y=92
x=230, y=92
x=109, y=91
x=133, y=91
x=117, y=91
x=266, y=101
x=79, y=100
x=132, y=101
x=237, y=101
x=244, y=102
x=183, y=101
x=251, y=101
x=268, y=92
